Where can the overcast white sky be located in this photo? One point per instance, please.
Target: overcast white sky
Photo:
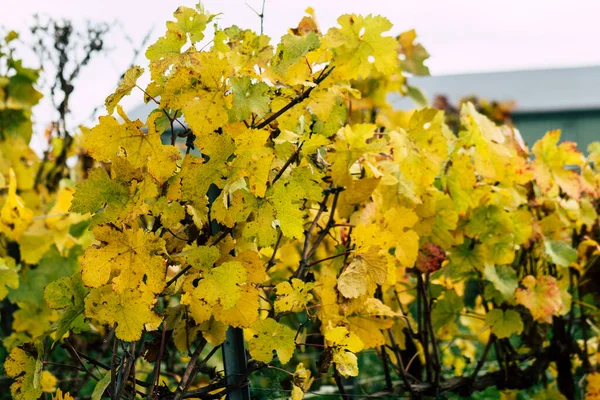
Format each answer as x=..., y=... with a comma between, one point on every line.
x=462, y=35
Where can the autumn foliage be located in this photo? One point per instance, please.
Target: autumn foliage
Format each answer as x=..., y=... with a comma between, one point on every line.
x=335, y=230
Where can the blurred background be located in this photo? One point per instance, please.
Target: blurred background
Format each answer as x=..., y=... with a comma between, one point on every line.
x=535, y=62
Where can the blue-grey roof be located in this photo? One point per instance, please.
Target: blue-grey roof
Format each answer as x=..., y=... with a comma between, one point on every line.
x=546, y=90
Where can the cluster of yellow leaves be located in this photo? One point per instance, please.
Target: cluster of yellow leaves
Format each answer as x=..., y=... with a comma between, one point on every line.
x=279, y=136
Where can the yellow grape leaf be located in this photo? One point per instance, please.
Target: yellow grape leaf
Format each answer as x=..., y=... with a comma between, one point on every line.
x=414, y=54
x=593, y=386
x=131, y=309
x=356, y=192
x=421, y=150
x=322, y=102
x=244, y=49
x=184, y=330
x=201, y=257
x=426, y=130
x=287, y=197
x=110, y=139
x=399, y=221
x=490, y=147
x=9, y=278
x=461, y=181
x=551, y=159
x=233, y=208
x=133, y=257
x=170, y=212
x=35, y=320
x=522, y=225
x=58, y=214
x=245, y=311
x=360, y=48
x=59, y=395
x=302, y=381
x=307, y=24
x=191, y=22
x=343, y=345
x=197, y=174
x=48, y=382
x=253, y=159
x=542, y=297
x=207, y=111
x=367, y=318
x=175, y=93
x=255, y=267
x=268, y=336
x=262, y=227
x=594, y=154
x=127, y=83
x=364, y=271
x=356, y=139
x=21, y=365
x=329, y=313
x=15, y=154
x=214, y=331
x=220, y=285
x=142, y=194
x=166, y=48
x=293, y=297
x=437, y=218
x=15, y=217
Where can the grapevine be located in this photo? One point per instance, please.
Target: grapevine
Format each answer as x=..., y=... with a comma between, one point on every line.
x=307, y=214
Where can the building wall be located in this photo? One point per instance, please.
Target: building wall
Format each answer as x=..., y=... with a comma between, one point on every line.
x=582, y=127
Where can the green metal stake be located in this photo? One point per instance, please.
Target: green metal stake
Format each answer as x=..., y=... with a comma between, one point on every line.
x=234, y=351
x=234, y=359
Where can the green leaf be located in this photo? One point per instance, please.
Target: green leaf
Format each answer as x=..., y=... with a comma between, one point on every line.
x=561, y=253
x=248, y=98
x=101, y=387
x=291, y=49
x=67, y=294
x=446, y=310
x=504, y=323
x=463, y=258
x=417, y=96
x=100, y=195
x=9, y=278
x=503, y=278
x=51, y=267
x=10, y=36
